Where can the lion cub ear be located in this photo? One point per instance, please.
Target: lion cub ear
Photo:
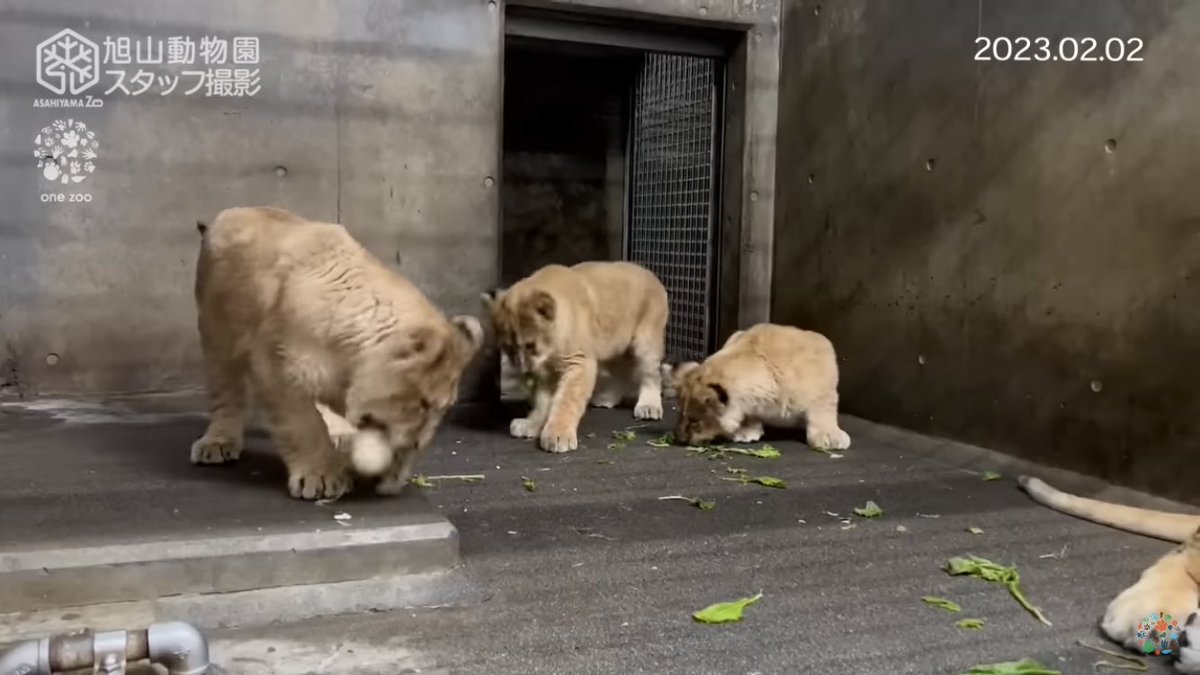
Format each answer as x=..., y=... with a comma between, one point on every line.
x=491, y=299
x=417, y=344
x=543, y=303
x=470, y=327
x=680, y=371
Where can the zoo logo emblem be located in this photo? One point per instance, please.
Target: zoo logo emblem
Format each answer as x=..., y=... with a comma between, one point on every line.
x=1158, y=634
x=66, y=151
x=67, y=62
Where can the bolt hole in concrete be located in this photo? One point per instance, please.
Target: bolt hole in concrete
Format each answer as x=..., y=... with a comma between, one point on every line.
x=921, y=359
x=929, y=164
x=817, y=10
x=281, y=171
x=812, y=178
x=492, y=5
x=489, y=182
x=52, y=359
x=703, y=11
x=1110, y=145
x=1097, y=385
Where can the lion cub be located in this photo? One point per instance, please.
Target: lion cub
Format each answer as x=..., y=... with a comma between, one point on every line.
x=1171, y=585
x=766, y=374
x=299, y=313
x=567, y=326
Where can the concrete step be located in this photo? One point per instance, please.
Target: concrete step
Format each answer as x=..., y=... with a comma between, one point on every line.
x=105, y=519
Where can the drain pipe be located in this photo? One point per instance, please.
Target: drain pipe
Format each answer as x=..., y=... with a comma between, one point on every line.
x=178, y=646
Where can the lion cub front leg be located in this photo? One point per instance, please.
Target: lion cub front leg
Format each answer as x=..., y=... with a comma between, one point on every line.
x=531, y=425
x=749, y=432
x=315, y=469
x=575, y=386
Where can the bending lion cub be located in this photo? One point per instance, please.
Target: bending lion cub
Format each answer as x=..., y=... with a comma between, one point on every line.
x=564, y=325
x=330, y=341
x=1171, y=585
x=777, y=375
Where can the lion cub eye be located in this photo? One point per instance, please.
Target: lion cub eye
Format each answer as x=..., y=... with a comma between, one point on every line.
x=531, y=347
x=369, y=422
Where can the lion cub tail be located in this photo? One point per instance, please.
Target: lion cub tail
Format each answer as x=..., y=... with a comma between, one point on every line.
x=1175, y=527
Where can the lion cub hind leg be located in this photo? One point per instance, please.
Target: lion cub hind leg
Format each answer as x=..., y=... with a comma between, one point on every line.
x=648, y=348
x=225, y=380
x=613, y=382
x=575, y=387
x=823, y=432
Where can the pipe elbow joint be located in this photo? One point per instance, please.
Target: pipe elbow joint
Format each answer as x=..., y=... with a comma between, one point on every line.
x=179, y=646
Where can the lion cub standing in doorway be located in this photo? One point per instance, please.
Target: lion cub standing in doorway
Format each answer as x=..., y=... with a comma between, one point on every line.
x=300, y=314
x=778, y=375
x=564, y=325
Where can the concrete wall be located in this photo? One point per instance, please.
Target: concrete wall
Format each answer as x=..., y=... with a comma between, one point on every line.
x=380, y=114
x=1006, y=253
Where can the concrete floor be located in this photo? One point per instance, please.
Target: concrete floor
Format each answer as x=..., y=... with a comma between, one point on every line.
x=593, y=574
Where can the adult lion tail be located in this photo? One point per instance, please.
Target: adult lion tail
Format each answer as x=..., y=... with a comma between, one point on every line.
x=1175, y=527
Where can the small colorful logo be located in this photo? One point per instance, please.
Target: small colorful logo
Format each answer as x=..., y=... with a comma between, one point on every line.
x=1158, y=634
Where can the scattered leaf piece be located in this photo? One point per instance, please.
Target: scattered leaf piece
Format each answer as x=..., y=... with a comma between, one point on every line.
x=974, y=530
x=765, y=481
x=701, y=504
x=991, y=475
x=826, y=451
x=943, y=603
x=928, y=515
x=427, y=481
x=604, y=461
x=725, y=612
x=970, y=624
x=1022, y=667
x=901, y=528
x=616, y=445
x=1131, y=662
x=990, y=571
x=734, y=471
x=664, y=441
x=624, y=435
x=847, y=525
x=869, y=510
x=765, y=452
x=529, y=483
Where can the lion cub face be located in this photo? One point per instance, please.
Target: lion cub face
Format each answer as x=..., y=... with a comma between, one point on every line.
x=403, y=389
x=525, y=328
x=702, y=404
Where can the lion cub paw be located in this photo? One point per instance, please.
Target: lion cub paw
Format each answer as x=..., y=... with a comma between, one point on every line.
x=1189, y=646
x=648, y=411
x=748, y=434
x=606, y=399
x=392, y=484
x=312, y=485
x=216, y=450
x=828, y=439
x=556, y=438
x=1126, y=612
x=523, y=427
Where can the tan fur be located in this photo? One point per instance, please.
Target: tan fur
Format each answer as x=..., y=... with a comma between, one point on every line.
x=328, y=339
x=766, y=374
x=1170, y=585
x=595, y=330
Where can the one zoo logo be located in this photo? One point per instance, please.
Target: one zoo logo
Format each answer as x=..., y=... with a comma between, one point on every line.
x=1158, y=634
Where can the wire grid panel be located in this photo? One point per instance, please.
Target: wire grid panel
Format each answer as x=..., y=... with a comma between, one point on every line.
x=672, y=205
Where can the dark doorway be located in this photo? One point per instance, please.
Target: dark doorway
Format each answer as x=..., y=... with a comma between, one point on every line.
x=612, y=152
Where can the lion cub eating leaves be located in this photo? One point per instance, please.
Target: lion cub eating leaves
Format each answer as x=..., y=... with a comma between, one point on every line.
x=1170, y=586
x=564, y=325
x=766, y=374
x=329, y=340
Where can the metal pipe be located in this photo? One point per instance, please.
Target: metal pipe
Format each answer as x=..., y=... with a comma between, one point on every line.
x=179, y=646
x=28, y=658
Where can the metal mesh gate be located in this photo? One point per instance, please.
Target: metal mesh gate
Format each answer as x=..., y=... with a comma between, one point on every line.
x=672, y=187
